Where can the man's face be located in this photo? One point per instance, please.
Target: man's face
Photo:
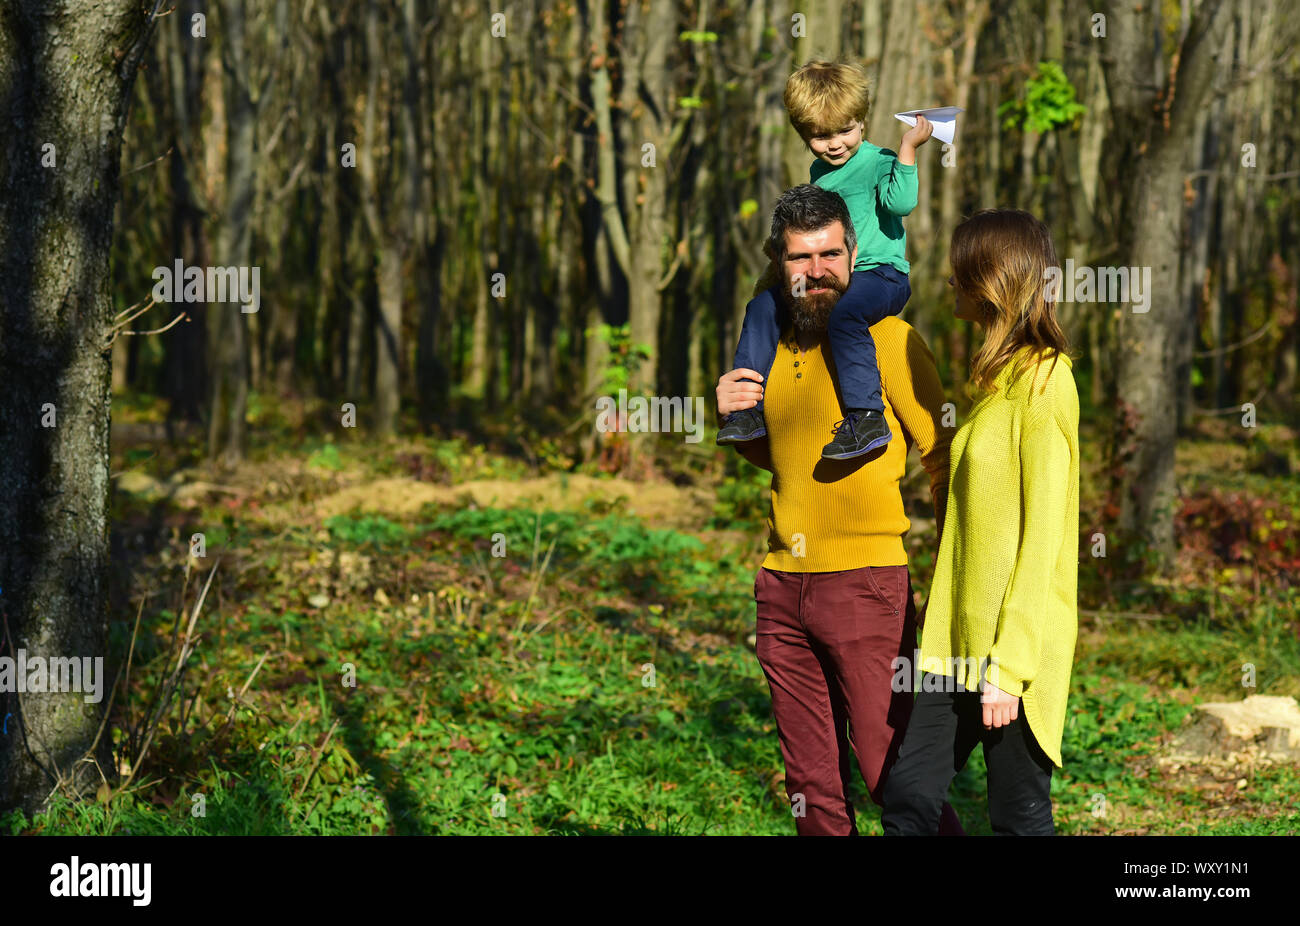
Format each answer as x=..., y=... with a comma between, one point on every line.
x=818, y=262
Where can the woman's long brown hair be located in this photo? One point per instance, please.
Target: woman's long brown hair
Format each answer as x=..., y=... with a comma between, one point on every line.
x=1000, y=259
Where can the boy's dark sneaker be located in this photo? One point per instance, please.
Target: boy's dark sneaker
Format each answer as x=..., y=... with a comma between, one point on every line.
x=861, y=431
x=746, y=424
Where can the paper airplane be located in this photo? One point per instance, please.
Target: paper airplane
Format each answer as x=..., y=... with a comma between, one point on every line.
x=944, y=120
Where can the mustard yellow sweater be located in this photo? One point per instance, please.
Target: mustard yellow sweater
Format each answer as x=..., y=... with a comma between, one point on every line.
x=832, y=515
x=1003, y=601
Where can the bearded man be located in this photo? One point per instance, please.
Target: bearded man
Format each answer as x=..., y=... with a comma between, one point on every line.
x=834, y=597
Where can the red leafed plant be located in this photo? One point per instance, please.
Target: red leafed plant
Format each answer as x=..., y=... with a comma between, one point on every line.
x=1236, y=527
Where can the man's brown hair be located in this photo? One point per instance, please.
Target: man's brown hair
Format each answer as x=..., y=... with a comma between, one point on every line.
x=824, y=96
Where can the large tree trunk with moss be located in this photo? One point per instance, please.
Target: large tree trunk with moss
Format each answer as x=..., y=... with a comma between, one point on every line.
x=65, y=82
x=1158, y=124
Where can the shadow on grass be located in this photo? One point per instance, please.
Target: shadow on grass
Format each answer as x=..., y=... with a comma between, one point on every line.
x=402, y=803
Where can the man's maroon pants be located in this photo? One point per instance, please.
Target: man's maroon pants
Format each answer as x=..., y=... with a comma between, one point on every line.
x=827, y=643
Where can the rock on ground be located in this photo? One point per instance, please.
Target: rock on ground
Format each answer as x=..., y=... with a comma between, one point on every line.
x=1263, y=728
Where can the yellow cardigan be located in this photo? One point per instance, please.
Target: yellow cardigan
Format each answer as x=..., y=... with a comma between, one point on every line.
x=1004, y=597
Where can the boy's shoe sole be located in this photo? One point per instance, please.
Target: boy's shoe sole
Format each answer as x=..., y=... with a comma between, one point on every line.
x=736, y=425
x=851, y=454
x=741, y=440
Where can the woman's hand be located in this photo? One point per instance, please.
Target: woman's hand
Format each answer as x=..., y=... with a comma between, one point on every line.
x=736, y=393
x=1000, y=708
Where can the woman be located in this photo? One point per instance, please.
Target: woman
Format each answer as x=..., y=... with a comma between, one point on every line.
x=998, y=635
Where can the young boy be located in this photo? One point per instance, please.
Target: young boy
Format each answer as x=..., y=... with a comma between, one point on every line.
x=828, y=106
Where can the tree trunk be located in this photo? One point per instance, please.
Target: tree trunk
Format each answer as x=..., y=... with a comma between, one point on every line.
x=185, y=378
x=65, y=81
x=423, y=163
x=228, y=327
x=391, y=243
x=635, y=226
x=1149, y=358
x=823, y=38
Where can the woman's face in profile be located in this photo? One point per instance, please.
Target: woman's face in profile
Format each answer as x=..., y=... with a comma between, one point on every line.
x=965, y=307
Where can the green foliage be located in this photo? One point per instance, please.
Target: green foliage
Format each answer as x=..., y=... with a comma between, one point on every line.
x=624, y=357
x=327, y=457
x=1049, y=102
x=375, y=530
x=742, y=498
x=554, y=455
x=621, y=551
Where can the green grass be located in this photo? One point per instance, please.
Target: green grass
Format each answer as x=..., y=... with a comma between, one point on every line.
x=594, y=679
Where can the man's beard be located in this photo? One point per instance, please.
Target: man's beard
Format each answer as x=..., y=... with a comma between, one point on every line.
x=810, y=312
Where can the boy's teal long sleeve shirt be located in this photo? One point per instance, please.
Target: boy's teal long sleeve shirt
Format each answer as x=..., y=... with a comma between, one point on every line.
x=879, y=191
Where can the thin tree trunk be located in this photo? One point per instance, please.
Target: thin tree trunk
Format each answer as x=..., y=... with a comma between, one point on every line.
x=185, y=379
x=228, y=327
x=391, y=243
x=422, y=165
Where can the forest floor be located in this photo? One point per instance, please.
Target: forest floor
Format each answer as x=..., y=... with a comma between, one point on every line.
x=425, y=636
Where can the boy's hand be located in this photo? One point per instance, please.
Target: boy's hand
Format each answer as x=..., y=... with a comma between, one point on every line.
x=917, y=135
x=736, y=393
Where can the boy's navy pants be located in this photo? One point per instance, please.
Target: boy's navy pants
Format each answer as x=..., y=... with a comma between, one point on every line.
x=871, y=295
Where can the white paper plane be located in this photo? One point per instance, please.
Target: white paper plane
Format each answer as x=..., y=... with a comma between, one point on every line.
x=943, y=118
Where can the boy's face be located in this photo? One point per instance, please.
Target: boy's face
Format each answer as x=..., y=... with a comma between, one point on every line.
x=837, y=147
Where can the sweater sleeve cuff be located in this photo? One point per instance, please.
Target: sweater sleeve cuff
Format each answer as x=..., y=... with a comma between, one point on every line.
x=998, y=675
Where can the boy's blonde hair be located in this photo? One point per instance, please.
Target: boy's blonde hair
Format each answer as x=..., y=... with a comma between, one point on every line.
x=824, y=96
